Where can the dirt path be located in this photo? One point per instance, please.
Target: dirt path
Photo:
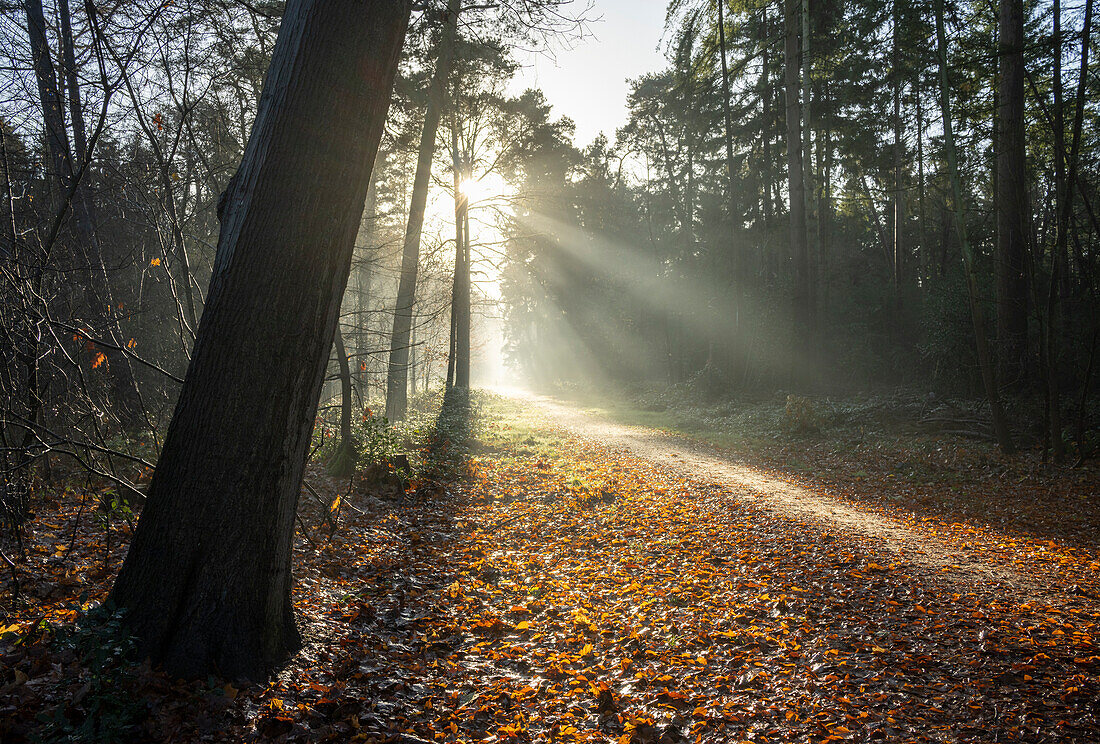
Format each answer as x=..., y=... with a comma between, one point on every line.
x=930, y=555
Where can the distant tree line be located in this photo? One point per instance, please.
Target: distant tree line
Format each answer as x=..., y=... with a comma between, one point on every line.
x=823, y=196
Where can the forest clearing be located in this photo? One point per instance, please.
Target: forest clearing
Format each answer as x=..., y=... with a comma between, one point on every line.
x=621, y=371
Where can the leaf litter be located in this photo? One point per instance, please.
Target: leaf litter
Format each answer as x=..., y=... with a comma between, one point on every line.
x=583, y=594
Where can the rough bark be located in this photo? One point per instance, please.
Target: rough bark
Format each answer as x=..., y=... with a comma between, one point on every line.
x=206, y=584
x=981, y=343
x=1011, y=197
x=397, y=378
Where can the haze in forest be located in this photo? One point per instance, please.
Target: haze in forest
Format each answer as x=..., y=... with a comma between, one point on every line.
x=332, y=330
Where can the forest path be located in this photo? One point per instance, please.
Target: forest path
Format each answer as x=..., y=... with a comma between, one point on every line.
x=968, y=564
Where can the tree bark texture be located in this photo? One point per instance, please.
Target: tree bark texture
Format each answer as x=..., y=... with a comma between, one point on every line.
x=206, y=584
x=1011, y=197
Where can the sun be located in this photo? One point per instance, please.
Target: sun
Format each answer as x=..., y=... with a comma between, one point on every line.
x=487, y=187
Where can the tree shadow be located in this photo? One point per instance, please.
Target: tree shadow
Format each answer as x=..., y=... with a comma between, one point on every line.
x=449, y=443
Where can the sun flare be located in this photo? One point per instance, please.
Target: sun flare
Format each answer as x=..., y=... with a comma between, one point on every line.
x=488, y=187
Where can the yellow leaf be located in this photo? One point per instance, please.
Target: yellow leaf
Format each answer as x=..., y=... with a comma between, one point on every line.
x=335, y=504
x=230, y=691
x=523, y=626
x=155, y=262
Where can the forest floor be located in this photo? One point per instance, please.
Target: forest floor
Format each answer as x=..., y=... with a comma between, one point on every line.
x=554, y=575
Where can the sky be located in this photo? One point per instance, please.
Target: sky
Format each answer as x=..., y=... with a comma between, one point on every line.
x=588, y=82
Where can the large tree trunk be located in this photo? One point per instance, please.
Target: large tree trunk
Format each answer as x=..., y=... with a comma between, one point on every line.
x=1011, y=197
x=985, y=362
x=207, y=580
x=397, y=378
x=797, y=186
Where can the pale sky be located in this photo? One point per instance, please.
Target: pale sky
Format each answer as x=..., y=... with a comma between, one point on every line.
x=588, y=82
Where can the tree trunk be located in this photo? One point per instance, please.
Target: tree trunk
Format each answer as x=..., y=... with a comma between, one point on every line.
x=766, y=94
x=343, y=460
x=94, y=298
x=364, y=276
x=57, y=139
x=922, y=222
x=796, y=187
x=809, y=191
x=397, y=376
x=985, y=362
x=1065, y=218
x=68, y=56
x=825, y=202
x=1011, y=198
x=736, y=261
x=207, y=579
x=899, y=165
x=462, y=303
x=460, y=241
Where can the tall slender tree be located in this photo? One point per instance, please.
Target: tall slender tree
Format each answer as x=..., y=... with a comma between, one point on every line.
x=799, y=251
x=981, y=343
x=1065, y=217
x=397, y=378
x=1011, y=197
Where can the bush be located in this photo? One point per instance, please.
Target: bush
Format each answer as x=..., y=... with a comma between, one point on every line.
x=800, y=416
